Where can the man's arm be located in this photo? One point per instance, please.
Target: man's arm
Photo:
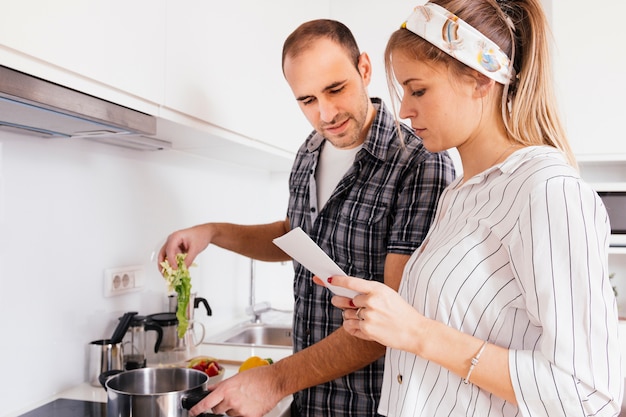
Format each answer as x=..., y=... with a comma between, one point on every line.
x=258, y=390
x=254, y=241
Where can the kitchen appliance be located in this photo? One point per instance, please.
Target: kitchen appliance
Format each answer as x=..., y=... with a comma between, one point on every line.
x=169, y=322
x=194, y=303
x=103, y=356
x=122, y=327
x=64, y=407
x=173, y=348
x=134, y=341
x=154, y=392
x=191, y=339
x=615, y=203
x=39, y=107
x=108, y=354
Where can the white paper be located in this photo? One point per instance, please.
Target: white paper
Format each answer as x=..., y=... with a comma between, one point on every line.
x=301, y=247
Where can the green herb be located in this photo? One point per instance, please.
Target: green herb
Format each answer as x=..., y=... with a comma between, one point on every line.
x=179, y=280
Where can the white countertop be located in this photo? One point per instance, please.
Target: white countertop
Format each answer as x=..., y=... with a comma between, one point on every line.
x=88, y=392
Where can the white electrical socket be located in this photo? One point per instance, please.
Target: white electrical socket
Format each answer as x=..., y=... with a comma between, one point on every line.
x=122, y=280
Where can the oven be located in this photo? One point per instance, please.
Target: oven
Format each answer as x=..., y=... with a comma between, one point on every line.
x=615, y=202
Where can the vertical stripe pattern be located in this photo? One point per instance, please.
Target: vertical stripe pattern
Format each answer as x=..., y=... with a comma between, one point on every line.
x=517, y=256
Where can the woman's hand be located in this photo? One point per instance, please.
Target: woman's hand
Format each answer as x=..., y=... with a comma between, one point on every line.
x=378, y=313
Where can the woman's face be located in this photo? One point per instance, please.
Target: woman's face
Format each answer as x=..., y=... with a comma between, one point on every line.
x=442, y=109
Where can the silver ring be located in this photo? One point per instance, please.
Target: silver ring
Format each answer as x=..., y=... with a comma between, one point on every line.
x=343, y=312
x=358, y=313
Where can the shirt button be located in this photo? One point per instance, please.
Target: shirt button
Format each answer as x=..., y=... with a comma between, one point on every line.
x=312, y=209
x=399, y=378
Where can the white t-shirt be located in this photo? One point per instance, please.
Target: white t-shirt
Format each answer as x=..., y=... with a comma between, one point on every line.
x=515, y=256
x=331, y=167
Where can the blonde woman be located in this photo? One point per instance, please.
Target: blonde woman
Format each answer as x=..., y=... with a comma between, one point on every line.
x=506, y=308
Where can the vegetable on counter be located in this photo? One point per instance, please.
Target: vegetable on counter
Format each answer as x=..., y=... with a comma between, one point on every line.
x=253, y=362
x=206, y=364
x=179, y=280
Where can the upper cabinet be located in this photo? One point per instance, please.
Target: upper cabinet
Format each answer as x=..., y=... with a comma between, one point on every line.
x=223, y=66
x=111, y=49
x=210, y=72
x=215, y=68
x=589, y=64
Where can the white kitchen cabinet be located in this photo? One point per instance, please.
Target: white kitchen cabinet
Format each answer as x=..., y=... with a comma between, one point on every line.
x=111, y=49
x=116, y=51
x=589, y=75
x=223, y=66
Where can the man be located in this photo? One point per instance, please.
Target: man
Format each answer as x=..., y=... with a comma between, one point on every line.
x=363, y=191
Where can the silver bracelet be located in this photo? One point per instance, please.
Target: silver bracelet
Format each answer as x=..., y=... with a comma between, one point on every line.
x=474, y=362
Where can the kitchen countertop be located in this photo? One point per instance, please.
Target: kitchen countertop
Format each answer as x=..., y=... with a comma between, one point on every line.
x=87, y=392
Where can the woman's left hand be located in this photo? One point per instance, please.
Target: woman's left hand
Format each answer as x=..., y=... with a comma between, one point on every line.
x=378, y=313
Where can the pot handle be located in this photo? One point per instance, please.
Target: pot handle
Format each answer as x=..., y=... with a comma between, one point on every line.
x=104, y=376
x=190, y=401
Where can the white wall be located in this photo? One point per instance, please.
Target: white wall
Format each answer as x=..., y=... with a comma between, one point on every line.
x=69, y=209
x=589, y=64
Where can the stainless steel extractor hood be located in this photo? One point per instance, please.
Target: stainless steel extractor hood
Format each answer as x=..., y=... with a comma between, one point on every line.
x=49, y=110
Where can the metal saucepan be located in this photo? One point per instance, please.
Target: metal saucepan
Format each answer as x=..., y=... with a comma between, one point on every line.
x=154, y=392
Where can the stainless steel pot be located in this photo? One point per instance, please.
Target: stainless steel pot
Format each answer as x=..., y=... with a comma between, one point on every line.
x=154, y=392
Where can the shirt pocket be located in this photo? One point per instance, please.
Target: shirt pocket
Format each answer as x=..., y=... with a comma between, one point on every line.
x=364, y=212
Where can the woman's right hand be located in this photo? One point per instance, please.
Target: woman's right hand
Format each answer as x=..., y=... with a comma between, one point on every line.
x=378, y=313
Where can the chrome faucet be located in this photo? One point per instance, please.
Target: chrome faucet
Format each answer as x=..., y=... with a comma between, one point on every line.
x=254, y=309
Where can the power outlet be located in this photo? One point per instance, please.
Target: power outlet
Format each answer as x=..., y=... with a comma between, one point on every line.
x=122, y=280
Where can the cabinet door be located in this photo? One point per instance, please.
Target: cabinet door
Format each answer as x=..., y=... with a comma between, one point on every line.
x=109, y=44
x=589, y=74
x=223, y=66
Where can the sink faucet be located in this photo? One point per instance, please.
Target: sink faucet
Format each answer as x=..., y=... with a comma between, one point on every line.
x=254, y=309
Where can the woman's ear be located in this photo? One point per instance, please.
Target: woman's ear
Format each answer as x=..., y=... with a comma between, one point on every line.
x=484, y=85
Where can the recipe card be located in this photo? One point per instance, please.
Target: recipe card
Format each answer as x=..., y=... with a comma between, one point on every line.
x=301, y=248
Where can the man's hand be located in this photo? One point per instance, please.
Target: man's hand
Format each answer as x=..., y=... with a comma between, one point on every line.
x=252, y=241
x=251, y=393
x=191, y=241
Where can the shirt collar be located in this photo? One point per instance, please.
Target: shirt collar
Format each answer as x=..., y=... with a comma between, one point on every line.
x=515, y=160
x=375, y=143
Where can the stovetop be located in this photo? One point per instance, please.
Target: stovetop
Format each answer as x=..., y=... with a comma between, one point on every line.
x=64, y=407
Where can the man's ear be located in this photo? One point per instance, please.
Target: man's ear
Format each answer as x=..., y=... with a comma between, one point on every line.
x=484, y=85
x=365, y=68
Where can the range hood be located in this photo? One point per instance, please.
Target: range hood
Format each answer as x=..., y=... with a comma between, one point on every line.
x=39, y=107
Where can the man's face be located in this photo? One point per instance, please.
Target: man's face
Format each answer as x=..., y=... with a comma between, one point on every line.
x=331, y=93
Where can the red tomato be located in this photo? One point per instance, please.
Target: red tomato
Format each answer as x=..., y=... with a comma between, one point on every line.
x=213, y=369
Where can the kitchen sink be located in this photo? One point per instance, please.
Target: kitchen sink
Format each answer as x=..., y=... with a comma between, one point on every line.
x=255, y=334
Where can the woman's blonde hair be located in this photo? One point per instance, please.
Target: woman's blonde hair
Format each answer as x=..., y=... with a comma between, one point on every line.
x=520, y=29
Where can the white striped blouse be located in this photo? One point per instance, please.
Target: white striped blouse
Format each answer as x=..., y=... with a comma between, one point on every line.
x=517, y=256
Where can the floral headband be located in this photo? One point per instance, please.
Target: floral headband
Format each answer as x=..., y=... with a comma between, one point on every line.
x=460, y=40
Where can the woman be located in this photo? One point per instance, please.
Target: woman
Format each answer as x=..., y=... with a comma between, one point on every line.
x=506, y=309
